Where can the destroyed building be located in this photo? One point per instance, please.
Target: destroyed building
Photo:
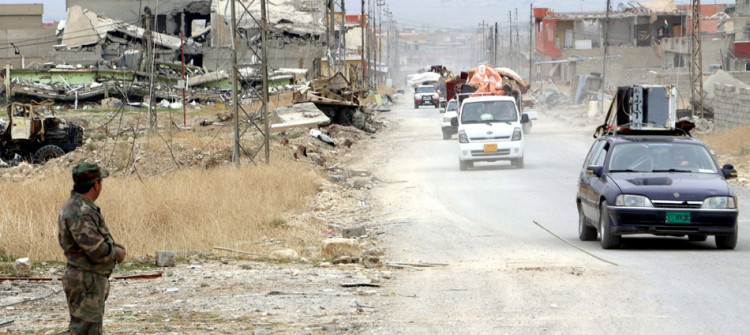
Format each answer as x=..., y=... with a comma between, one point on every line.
x=23, y=38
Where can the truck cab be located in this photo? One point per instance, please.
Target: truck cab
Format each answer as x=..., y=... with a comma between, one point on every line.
x=490, y=128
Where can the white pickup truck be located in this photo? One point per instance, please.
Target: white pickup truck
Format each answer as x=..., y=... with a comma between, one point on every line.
x=490, y=128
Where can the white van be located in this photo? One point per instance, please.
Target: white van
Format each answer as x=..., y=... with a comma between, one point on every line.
x=490, y=129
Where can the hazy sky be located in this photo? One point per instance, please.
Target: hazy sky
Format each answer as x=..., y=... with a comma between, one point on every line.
x=419, y=13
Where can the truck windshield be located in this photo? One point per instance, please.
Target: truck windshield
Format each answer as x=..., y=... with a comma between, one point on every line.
x=488, y=111
x=451, y=105
x=425, y=89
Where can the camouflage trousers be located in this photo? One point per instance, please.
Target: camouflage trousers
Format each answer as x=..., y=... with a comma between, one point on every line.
x=86, y=293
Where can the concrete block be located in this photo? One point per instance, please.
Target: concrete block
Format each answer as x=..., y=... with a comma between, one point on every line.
x=354, y=231
x=334, y=247
x=22, y=267
x=285, y=254
x=165, y=258
x=730, y=88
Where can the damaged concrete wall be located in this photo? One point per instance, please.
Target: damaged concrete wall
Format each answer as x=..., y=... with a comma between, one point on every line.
x=642, y=57
x=131, y=11
x=18, y=16
x=732, y=106
x=36, y=52
x=279, y=56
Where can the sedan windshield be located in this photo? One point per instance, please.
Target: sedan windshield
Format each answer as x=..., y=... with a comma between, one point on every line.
x=488, y=111
x=661, y=157
x=451, y=105
x=425, y=89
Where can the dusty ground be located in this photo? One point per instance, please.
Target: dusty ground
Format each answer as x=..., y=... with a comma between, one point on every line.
x=220, y=291
x=232, y=293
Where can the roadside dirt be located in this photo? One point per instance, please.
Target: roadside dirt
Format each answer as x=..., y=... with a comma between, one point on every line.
x=224, y=292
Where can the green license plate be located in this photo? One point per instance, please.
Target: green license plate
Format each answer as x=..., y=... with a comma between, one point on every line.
x=678, y=217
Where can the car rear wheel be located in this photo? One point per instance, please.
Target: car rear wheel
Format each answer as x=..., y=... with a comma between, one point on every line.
x=697, y=238
x=446, y=135
x=608, y=240
x=726, y=241
x=585, y=232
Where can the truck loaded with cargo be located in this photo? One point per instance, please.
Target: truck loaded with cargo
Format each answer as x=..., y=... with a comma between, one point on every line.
x=490, y=121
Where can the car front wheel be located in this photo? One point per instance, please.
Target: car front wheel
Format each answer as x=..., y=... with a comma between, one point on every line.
x=726, y=241
x=608, y=240
x=462, y=165
x=585, y=232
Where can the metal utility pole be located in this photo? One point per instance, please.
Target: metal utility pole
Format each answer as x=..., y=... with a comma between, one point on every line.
x=380, y=4
x=235, y=98
x=262, y=96
x=150, y=70
x=518, y=45
x=531, y=41
x=362, y=51
x=604, y=59
x=494, y=43
x=336, y=46
x=510, y=35
x=697, y=62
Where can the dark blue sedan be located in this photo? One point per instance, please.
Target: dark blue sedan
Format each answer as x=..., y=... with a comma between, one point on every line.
x=655, y=184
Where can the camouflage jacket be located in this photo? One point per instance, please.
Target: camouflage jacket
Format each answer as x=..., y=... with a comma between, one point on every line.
x=84, y=237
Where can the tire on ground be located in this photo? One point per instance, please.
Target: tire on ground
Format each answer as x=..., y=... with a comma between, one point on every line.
x=47, y=152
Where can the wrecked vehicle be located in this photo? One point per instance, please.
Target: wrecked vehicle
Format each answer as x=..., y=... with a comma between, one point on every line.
x=36, y=137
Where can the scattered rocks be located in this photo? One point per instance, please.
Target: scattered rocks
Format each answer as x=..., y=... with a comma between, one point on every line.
x=316, y=158
x=344, y=260
x=337, y=178
x=354, y=232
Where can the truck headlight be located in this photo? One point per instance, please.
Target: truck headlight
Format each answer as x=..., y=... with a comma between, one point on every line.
x=632, y=200
x=462, y=137
x=516, y=134
x=719, y=203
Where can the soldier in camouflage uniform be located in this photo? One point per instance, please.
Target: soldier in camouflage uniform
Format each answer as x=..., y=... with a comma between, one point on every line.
x=90, y=250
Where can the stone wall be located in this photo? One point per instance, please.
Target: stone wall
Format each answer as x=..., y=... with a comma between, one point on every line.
x=732, y=106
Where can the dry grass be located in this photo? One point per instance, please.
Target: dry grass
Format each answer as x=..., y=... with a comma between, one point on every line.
x=729, y=141
x=190, y=209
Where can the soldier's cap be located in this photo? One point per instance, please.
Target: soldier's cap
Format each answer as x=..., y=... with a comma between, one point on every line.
x=85, y=174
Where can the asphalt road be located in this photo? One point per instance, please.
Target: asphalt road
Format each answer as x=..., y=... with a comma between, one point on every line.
x=508, y=275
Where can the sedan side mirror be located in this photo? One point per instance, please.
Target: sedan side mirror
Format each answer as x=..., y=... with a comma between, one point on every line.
x=442, y=110
x=524, y=118
x=595, y=170
x=729, y=171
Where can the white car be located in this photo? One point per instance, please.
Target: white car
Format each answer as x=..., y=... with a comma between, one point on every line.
x=490, y=129
x=451, y=111
x=426, y=95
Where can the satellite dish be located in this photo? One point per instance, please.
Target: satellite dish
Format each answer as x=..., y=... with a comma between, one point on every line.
x=621, y=7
